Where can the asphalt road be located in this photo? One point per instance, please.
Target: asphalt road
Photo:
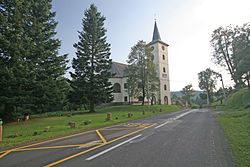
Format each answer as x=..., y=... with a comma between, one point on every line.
x=191, y=138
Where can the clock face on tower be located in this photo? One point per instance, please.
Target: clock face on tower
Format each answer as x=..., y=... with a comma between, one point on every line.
x=152, y=47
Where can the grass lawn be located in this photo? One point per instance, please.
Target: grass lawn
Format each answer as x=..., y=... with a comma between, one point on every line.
x=236, y=127
x=41, y=128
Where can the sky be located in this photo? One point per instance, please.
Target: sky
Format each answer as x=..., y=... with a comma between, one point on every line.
x=186, y=25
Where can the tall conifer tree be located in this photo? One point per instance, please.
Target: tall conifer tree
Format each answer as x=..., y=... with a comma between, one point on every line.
x=91, y=77
x=47, y=64
x=30, y=67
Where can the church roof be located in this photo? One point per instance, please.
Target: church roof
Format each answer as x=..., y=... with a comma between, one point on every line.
x=156, y=36
x=118, y=69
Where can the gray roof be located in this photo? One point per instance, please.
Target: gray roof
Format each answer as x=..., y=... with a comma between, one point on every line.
x=118, y=69
x=156, y=36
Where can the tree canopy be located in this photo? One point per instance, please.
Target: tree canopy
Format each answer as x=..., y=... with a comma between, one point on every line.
x=231, y=49
x=188, y=92
x=142, y=76
x=207, y=82
x=90, y=81
x=30, y=68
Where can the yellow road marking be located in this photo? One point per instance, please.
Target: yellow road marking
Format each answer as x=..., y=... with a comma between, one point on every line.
x=41, y=148
x=65, y=159
x=131, y=133
x=100, y=135
x=108, y=128
x=119, y=128
x=4, y=153
x=8, y=151
x=75, y=155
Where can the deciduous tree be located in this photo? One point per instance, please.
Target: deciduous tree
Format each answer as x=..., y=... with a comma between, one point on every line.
x=242, y=54
x=187, y=92
x=207, y=82
x=231, y=49
x=142, y=76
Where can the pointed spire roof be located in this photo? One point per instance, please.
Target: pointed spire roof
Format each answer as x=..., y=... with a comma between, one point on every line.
x=156, y=35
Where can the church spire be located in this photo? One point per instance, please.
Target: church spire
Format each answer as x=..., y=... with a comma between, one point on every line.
x=156, y=35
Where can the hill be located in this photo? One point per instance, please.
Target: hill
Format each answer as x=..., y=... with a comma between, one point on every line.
x=239, y=100
x=178, y=93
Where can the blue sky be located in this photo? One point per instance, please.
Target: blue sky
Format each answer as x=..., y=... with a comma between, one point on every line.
x=186, y=25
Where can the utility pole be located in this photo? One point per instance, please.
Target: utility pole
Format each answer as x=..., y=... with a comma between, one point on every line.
x=224, y=92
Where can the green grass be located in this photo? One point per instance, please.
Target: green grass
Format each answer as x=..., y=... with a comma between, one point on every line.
x=236, y=101
x=23, y=132
x=236, y=127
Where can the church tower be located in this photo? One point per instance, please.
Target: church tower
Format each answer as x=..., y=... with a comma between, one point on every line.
x=160, y=52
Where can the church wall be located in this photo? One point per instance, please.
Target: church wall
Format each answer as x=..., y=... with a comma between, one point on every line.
x=158, y=53
x=120, y=97
x=163, y=75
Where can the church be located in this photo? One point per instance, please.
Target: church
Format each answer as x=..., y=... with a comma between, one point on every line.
x=160, y=52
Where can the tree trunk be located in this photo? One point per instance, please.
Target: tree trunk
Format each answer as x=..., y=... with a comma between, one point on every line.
x=8, y=112
x=91, y=107
x=208, y=101
x=143, y=95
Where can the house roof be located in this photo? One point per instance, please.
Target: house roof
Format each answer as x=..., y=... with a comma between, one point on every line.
x=118, y=69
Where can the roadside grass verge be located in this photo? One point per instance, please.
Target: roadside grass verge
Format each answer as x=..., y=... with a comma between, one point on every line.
x=236, y=127
x=42, y=128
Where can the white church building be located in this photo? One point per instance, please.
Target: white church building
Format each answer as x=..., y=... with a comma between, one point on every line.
x=160, y=52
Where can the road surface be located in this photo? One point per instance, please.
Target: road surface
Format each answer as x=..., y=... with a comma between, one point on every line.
x=191, y=138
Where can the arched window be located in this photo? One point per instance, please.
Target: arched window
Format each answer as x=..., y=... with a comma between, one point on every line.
x=165, y=87
x=163, y=48
x=166, y=100
x=117, y=88
x=164, y=70
x=163, y=57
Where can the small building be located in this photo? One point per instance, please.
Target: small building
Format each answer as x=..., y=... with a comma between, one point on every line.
x=160, y=52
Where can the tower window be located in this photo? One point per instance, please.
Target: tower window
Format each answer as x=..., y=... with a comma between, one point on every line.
x=165, y=87
x=164, y=70
x=117, y=88
x=163, y=57
x=163, y=48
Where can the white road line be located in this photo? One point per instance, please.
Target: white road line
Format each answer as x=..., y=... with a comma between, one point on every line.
x=162, y=124
x=111, y=148
x=173, y=119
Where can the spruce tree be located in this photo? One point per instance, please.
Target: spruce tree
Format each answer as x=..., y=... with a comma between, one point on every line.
x=91, y=77
x=31, y=69
x=48, y=65
x=15, y=79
